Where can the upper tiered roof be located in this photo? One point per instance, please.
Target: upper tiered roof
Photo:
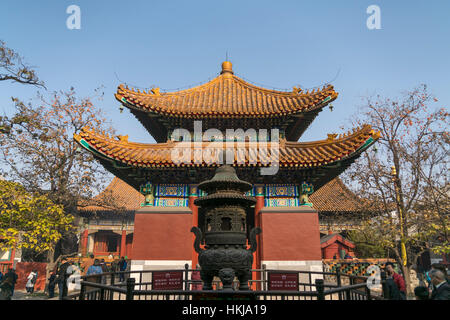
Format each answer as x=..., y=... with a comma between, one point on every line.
x=225, y=97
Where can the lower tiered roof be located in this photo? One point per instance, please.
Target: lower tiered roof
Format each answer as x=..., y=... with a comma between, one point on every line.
x=315, y=162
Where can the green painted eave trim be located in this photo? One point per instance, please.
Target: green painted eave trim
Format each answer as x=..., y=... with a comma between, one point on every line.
x=365, y=146
x=326, y=99
x=103, y=156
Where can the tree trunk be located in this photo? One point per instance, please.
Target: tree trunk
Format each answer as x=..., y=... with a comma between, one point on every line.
x=50, y=266
x=407, y=276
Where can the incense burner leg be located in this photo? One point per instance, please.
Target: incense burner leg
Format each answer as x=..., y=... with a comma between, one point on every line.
x=244, y=276
x=227, y=277
x=207, y=278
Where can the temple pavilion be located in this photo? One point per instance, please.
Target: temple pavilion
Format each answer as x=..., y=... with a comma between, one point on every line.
x=290, y=237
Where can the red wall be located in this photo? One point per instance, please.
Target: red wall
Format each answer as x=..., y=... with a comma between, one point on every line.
x=162, y=236
x=290, y=236
x=23, y=269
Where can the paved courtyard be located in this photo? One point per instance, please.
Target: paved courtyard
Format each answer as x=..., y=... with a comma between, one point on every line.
x=23, y=295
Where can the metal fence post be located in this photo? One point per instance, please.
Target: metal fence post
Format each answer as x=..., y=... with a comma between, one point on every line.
x=383, y=285
x=264, y=277
x=130, y=288
x=320, y=289
x=186, y=277
x=369, y=297
x=338, y=282
x=348, y=294
x=82, y=291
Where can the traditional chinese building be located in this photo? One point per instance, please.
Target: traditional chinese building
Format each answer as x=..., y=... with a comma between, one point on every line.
x=265, y=153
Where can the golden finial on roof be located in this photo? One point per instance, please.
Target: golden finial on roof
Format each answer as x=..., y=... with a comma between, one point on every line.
x=227, y=68
x=155, y=91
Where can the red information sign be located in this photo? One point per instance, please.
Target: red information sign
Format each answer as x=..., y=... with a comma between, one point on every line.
x=172, y=280
x=283, y=281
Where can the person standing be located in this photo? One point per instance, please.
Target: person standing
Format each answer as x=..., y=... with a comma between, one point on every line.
x=441, y=289
x=6, y=288
x=128, y=268
x=104, y=266
x=397, y=280
x=62, y=278
x=122, y=267
x=51, y=284
x=32, y=277
x=105, y=269
x=13, y=275
x=114, y=266
x=91, y=274
x=95, y=268
x=87, y=263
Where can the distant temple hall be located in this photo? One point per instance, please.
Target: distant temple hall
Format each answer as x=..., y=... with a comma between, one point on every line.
x=155, y=192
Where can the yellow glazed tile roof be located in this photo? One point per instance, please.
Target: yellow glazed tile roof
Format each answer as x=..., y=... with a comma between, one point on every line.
x=226, y=96
x=291, y=154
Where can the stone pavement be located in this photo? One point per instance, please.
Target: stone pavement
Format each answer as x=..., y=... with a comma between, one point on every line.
x=23, y=295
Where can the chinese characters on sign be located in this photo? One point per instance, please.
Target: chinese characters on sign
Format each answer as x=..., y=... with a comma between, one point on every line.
x=168, y=280
x=283, y=281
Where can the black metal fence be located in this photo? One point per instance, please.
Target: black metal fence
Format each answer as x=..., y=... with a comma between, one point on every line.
x=312, y=285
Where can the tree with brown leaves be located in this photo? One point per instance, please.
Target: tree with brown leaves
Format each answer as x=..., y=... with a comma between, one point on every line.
x=38, y=151
x=14, y=69
x=404, y=179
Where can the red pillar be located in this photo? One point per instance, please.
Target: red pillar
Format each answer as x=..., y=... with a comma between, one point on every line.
x=257, y=254
x=84, y=241
x=193, y=194
x=123, y=244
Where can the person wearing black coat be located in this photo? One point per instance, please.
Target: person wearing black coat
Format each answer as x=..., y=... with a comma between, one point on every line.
x=51, y=285
x=13, y=275
x=6, y=288
x=62, y=278
x=393, y=292
x=441, y=289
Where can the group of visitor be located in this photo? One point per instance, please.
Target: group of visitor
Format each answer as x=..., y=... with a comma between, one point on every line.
x=99, y=266
x=90, y=267
x=438, y=284
x=61, y=275
x=438, y=287
x=8, y=282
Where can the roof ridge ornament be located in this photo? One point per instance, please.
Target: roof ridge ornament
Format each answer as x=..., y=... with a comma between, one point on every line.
x=227, y=69
x=155, y=91
x=122, y=138
x=297, y=90
x=331, y=136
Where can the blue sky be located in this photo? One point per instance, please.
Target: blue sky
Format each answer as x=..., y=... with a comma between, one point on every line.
x=280, y=44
